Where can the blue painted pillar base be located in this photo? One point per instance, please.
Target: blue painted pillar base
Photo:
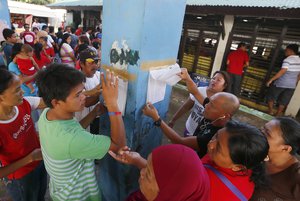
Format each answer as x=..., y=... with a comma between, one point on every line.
x=137, y=35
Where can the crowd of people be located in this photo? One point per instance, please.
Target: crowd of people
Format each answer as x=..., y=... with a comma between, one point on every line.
x=48, y=47
x=217, y=158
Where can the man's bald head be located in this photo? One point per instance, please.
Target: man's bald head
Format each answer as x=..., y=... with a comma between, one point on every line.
x=221, y=108
x=228, y=102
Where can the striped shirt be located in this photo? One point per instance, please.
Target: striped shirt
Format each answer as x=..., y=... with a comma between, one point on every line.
x=289, y=79
x=68, y=152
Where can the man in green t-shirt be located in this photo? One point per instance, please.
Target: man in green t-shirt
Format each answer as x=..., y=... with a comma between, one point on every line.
x=68, y=149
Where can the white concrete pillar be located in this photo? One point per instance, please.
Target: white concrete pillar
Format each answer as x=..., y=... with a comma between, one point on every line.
x=81, y=16
x=294, y=104
x=69, y=18
x=228, y=23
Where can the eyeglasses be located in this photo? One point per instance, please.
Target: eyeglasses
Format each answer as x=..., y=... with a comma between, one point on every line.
x=26, y=27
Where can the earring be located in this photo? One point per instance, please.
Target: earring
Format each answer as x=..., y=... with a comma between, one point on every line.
x=267, y=158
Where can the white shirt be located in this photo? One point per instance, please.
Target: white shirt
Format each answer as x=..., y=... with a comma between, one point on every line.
x=196, y=112
x=88, y=85
x=49, y=41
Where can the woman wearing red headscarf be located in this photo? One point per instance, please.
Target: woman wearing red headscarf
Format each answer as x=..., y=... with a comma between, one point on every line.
x=164, y=177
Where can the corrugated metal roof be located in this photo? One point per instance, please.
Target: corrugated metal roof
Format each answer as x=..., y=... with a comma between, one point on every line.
x=73, y=3
x=283, y=4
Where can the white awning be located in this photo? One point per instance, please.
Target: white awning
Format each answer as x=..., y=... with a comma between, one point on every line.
x=31, y=9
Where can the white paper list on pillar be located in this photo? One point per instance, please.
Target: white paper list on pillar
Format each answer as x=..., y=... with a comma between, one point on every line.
x=122, y=95
x=158, y=80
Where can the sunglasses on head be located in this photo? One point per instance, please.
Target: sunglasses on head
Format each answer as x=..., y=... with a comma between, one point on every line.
x=90, y=60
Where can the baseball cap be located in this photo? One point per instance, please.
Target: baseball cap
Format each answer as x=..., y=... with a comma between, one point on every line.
x=99, y=35
x=88, y=55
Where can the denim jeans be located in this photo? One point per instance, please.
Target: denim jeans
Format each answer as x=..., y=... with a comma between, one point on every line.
x=31, y=187
x=235, y=83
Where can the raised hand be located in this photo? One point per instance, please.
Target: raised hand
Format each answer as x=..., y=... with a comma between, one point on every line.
x=150, y=111
x=110, y=86
x=192, y=87
x=184, y=75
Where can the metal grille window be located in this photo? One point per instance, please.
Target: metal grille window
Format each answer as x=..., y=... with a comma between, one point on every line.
x=199, y=43
x=267, y=39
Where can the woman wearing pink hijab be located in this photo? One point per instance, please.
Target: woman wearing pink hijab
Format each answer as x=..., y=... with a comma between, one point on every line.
x=163, y=176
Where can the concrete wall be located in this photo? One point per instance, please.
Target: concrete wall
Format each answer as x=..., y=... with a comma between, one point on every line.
x=294, y=105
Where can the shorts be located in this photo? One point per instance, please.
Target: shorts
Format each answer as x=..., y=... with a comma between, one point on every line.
x=32, y=187
x=281, y=95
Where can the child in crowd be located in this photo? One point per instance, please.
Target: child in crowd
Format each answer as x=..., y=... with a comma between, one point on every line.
x=68, y=149
x=26, y=63
x=10, y=39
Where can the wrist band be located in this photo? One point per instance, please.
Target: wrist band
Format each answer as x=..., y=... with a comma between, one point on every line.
x=114, y=113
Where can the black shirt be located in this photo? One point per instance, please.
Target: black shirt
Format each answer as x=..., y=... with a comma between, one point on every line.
x=204, y=132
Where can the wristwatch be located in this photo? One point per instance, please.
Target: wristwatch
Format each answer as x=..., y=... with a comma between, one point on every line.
x=157, y=123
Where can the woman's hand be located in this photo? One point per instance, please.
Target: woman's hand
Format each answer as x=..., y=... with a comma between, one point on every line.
x=126, y=156
x=192, y=87
x=150, y=111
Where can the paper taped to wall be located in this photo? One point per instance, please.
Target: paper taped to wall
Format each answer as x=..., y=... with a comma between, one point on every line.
x=122, y=96
x=158, y=79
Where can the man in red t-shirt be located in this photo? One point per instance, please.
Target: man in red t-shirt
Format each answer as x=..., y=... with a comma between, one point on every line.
x=27, y=36
x=236, y=62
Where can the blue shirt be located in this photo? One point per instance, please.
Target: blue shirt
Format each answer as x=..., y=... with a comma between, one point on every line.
x=1, y=60
x=7, y=49
x=12, y=67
